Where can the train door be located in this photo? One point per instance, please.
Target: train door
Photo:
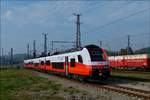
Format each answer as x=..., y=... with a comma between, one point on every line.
x=66, y=66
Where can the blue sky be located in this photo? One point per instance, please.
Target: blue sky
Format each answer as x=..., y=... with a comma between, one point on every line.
x=24, y=21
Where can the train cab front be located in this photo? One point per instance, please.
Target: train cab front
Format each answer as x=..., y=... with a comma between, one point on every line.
x=100, y=69
x=99, y=62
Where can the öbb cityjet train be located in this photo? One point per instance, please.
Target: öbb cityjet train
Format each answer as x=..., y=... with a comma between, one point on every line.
x=88, y=62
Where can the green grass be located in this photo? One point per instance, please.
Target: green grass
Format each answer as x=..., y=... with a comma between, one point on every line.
x=8, y=66
x=22, y=84
x=132, y=75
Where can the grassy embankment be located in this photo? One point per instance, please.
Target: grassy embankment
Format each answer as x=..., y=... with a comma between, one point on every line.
x=145, y=76
x=22, y=84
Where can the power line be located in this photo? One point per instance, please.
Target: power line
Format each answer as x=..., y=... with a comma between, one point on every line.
x=61, y=42
x=123, y=18
x=133, y=14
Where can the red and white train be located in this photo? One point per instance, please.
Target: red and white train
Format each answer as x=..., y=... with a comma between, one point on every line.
x=138, y=61
x=89, y=62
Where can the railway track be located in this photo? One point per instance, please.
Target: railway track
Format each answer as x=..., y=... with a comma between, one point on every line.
x=131, y=71
x=145, y=95
x=129, y=91
x=132, y=75
x=115, y=88
x=121, y=89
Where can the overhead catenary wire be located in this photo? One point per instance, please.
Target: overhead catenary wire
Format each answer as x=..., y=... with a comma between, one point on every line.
x=60, y=42
x=126, y=17
x=120, y=19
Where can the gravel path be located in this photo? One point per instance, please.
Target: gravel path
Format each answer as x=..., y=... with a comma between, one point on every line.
x=84, y=92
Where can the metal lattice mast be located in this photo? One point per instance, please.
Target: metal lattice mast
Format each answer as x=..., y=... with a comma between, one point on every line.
x=28, y=51
x=78, y=34
x=34, y=49
x=11, y=56
x=45, y=44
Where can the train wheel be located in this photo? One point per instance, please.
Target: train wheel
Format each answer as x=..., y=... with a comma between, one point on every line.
x=70, y=76
x=147, y=69
x=106, y=75
x=81, y=78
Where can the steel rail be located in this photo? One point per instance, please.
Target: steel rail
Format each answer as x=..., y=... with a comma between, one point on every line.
x=115, y=88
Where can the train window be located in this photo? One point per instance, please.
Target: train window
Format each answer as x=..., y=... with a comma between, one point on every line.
x=72, y=62
x=80, y=59
x=31, y=63
x=58, y=65
x=48, y=62
x=96, y=53
x=42, y=62
x=97, y=58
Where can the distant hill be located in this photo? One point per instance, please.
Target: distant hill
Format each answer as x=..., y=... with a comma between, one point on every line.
x=140, y=51
x=111, y=53
x=143, y=50
x=19, y=58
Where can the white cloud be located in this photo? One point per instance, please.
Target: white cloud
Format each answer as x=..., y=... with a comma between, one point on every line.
x=57, y=18
x=8, y=15
x=42, y=13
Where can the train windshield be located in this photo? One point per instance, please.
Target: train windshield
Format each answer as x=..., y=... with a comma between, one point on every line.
x=96, y=53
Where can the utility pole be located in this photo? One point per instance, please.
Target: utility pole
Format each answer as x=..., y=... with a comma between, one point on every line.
x=28, y=51
x=128, y=40
x=78, y=34
x=100, y=43
x=34, y=49
x=2, y=58
x=11, y=56
x=129, y=49
x=128, y=36
x=45, y=44
x=52, y=45
x=8, y=61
